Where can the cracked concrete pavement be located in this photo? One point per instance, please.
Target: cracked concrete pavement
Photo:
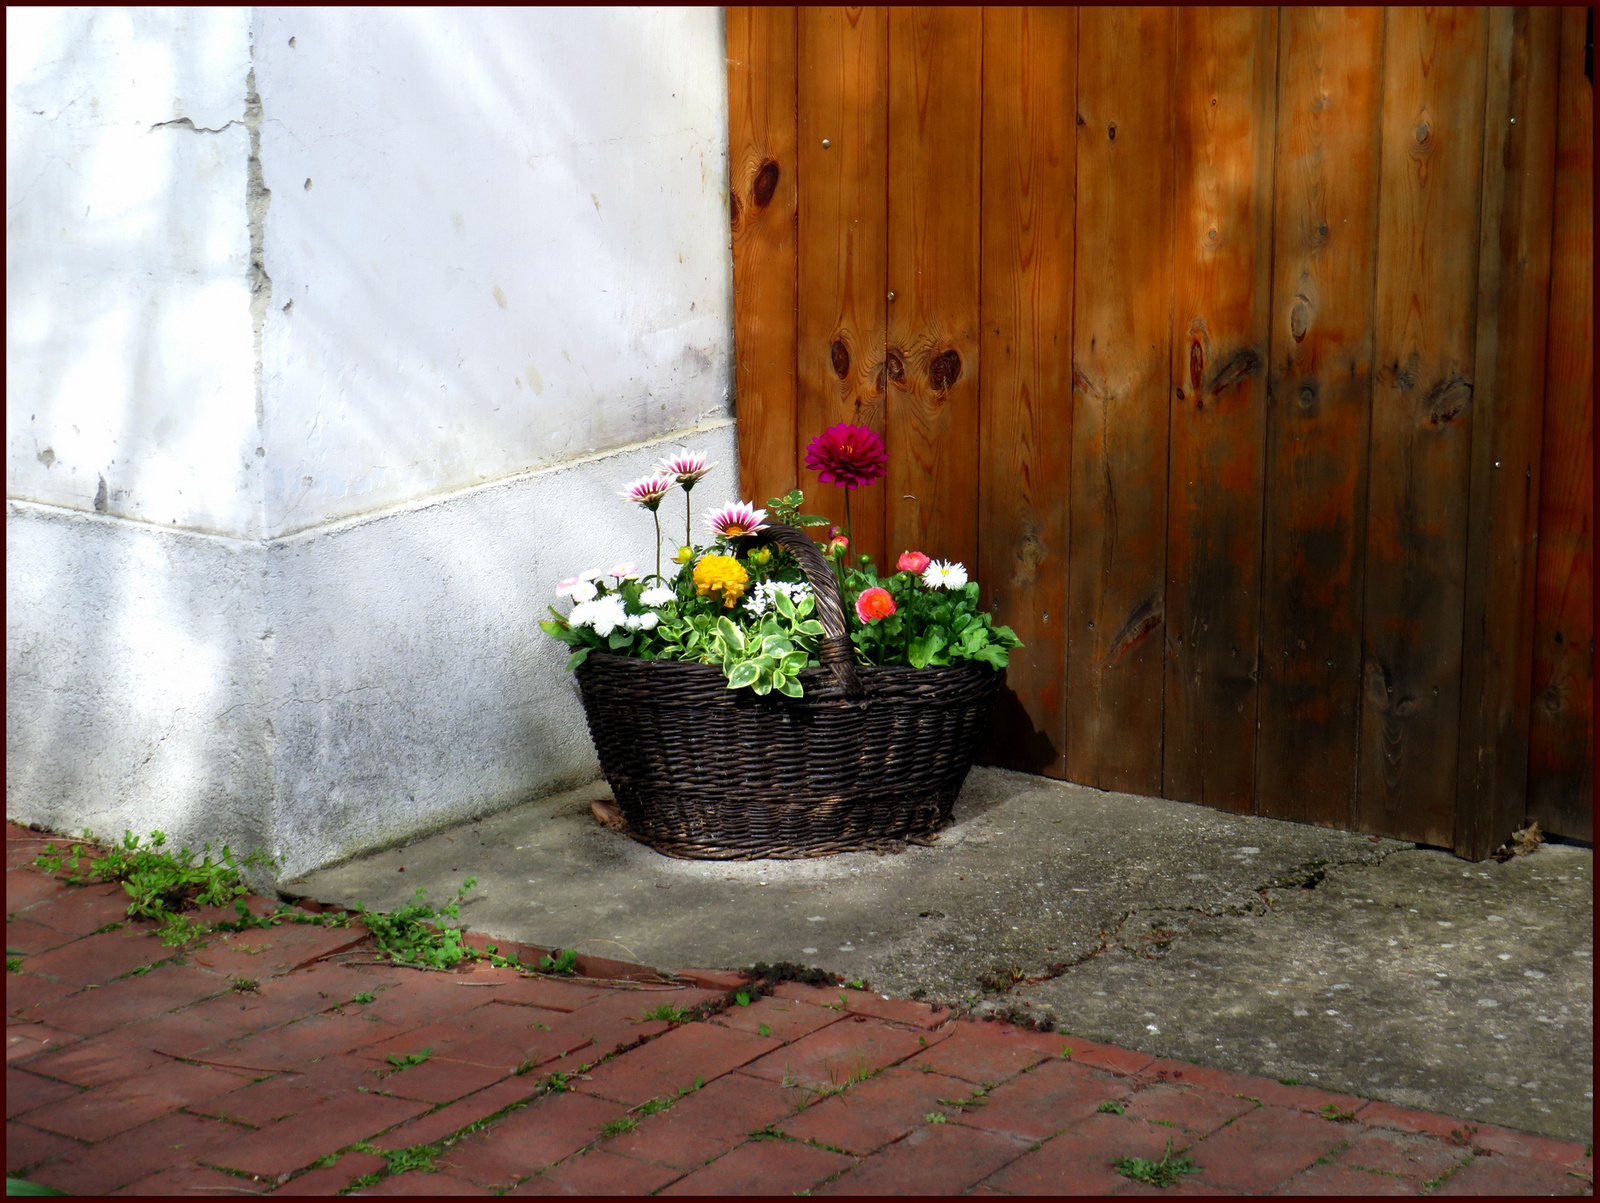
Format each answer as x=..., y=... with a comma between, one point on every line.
x=1403, y=974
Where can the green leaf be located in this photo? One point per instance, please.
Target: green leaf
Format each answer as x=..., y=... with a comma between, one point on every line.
x=784, y=604
x=794, y=662
x=731, y=635
x=789, y=686
x=811, y=627
x=577, y=658
x=743, y=675
x=776, y=645
x=619, y=639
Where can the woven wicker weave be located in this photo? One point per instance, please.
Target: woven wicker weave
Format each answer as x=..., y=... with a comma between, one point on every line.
x=870, y=757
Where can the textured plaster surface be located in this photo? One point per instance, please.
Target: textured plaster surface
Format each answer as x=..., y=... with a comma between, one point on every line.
x=1155, y=924
x=411, y=684
x=498, y=239
x=136, y=665
x=130, y=384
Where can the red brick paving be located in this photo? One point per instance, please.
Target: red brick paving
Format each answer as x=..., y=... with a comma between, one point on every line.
x=156, y=1083
x=764, y=1167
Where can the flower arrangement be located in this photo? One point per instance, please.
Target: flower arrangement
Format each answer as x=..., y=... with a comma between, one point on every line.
x=749, y=608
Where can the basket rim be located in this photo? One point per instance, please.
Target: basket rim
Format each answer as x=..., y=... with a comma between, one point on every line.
x=810, y=672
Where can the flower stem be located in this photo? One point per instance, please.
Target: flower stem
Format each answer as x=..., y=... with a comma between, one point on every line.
x=656, y=514
x=688, y=527
x=849, y=533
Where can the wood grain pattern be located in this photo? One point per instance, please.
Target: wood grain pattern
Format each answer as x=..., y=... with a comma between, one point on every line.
x=1502, y=538
x=1424, y=311
x=1029, y=142
x=1329, y=77
x=763, y=211
x=1225, y=107
x=1122, y=311
x=1561, y=752
x=935, y=110
x=843, y=89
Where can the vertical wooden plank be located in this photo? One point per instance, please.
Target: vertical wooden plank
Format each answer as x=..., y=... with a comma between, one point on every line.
x=1029, y=140
x=1561, y=752
x=843, y=90
x=1502, y=535
x=935, y=108
x=1122, y=313
x=762, y=208
x=1416, y=544
x=1224, y=116
x=1319, y=391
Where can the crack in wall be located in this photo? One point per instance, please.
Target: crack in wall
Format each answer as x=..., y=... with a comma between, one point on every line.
x=257, y=198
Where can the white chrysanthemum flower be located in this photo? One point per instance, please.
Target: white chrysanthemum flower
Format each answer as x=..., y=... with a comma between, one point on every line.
x=643, y=622
x=657, y=595
x=607, y=614
x=944, y=574
x=759, y=599
x=578, y=589
x=582, y=614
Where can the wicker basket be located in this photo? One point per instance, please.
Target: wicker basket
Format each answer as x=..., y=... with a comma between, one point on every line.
x=869, y=758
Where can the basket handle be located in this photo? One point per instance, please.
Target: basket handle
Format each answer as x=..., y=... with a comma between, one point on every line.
x=838, y=653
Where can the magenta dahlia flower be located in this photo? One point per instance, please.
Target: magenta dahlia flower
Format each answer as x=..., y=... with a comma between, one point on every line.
x=848, y=456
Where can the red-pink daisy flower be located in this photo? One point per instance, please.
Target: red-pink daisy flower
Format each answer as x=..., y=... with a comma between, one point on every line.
x=848, y=456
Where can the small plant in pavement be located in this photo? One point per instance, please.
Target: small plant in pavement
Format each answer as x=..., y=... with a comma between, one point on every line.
x=564, y=962
x=1111, y=1107
x=667, y=1013
x=408, y=1060
x=1161, y=1173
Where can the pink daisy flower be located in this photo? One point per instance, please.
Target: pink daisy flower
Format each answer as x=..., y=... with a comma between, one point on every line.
x=649, y=490
x=735, y=519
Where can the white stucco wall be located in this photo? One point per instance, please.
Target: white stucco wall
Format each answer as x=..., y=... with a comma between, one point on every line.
x=350, y=434
x=497, y=239
x=129, y=355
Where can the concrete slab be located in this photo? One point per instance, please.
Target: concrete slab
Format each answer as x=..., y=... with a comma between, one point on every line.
x=1126, y=905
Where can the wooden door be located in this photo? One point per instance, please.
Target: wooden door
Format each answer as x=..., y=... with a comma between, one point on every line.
x=1216, y=341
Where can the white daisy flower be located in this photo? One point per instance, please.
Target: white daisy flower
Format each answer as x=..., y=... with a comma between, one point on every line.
x=657, y=595
x=607, y=614
x=582, y=614
x=643, y=622
x=578, y=589
x=944, y=574
x=759, y=599
x=591, y=574
x=625, y=571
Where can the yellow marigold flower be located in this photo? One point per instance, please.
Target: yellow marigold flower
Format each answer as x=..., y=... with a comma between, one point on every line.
x=721, y=574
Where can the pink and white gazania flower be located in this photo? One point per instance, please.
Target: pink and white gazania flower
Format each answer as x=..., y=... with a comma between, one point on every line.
x=578, y=589
x=735, y=519
x=625, y=571
x=687, y=468
x=649, y=490
x=944, y=574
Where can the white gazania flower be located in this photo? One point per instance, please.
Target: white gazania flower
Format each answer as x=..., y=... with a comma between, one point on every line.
x=642, y=622
x=657, y=595
x=625, y=571
x=649, y=490
x=578, y=589
x=687, y=467
x=944, y=574
x=735, y=519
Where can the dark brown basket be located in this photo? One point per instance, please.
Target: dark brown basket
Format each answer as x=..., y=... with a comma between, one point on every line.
x=870, y=757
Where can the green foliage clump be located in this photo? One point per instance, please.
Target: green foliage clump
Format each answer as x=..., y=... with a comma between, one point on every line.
x=1161, y=1173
